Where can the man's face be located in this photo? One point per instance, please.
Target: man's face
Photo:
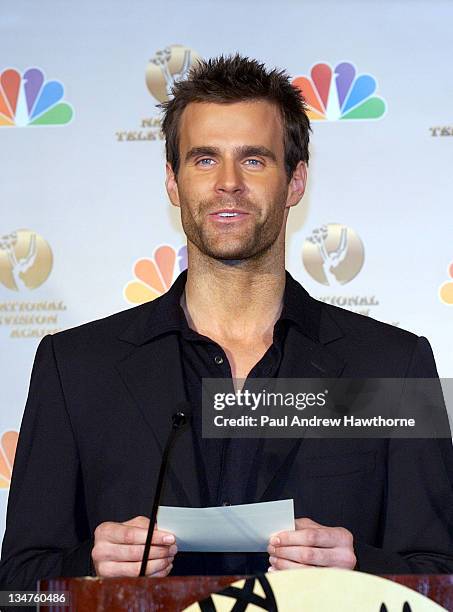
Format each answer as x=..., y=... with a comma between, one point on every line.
x=232, y=186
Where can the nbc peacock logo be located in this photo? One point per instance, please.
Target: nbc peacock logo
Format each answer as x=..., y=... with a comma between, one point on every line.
x=446, y=289
x=340, y=93
x=154, y=276
x=8, y=444
x=29, y=100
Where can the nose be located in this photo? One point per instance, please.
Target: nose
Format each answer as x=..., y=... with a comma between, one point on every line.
x=229, y=179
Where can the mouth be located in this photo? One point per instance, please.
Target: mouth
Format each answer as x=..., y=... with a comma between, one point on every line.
x=228, y=215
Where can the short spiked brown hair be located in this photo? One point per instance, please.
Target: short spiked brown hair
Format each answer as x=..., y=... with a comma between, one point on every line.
x=235, y=78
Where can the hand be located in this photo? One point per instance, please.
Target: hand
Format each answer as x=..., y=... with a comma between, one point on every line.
x=311, y=545
x=118, y=549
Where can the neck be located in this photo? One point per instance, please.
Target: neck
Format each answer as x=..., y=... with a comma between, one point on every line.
x=236, y=301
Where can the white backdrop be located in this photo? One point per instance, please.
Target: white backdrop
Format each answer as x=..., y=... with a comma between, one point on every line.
x=89, y=188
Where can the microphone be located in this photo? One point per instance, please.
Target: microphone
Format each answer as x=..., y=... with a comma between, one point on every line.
x=179, y=420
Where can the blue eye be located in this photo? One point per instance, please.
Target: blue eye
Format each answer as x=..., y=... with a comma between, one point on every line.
x=253, y=162
x=205, y=159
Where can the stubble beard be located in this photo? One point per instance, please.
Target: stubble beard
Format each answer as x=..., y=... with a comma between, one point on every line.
x=234, y=244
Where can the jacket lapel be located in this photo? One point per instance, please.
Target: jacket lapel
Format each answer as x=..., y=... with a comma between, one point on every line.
x=153, y=376
x=303, y=357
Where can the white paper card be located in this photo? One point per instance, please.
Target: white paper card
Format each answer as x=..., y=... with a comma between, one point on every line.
x=242, y=528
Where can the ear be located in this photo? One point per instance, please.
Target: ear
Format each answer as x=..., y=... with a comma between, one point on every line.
x=171, y=185
x=296, y=187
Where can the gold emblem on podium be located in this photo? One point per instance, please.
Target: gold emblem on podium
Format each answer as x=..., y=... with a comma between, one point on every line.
x=316, y=590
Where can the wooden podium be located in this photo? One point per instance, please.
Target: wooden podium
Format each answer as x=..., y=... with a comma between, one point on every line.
x=176, y=593
x=121, y=594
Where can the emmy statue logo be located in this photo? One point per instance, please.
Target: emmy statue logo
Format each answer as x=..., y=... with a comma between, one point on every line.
x=168, y=67
x=25, y=260
x=333, y=255
x=330, y=261
x=162, y=58
x=19, y=265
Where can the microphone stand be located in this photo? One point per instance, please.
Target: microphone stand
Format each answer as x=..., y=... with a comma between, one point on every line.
x=179, y=419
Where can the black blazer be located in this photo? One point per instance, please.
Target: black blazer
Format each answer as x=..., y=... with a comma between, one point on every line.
x=99, y=407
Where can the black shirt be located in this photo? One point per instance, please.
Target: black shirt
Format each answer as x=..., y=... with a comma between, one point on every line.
x=219, y=461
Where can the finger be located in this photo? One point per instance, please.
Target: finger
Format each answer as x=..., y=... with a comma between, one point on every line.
x=138, y=521
x=282, y=564
x=323, y=557
x=159, y=566
x=117, y=533
x=163, y=573
x=159, y=536
x=163, y=537
x=162, y=552
x=323, y=537
x=131, y=568
x=106, y=551
x=342, y=557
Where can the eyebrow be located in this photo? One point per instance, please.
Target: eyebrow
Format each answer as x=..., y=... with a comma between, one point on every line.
x=243, y=151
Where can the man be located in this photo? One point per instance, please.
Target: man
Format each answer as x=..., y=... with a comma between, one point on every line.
x=102, y=395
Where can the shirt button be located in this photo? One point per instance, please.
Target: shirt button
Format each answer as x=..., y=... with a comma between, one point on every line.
x=218, y=359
